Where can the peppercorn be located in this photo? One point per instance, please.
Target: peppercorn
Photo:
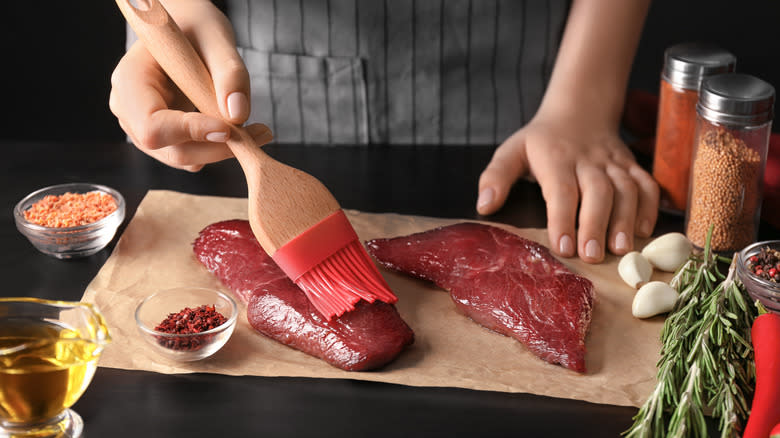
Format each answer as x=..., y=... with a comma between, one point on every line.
x=765, y=264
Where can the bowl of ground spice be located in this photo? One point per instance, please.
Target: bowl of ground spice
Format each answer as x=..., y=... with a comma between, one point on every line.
x=70, y=220
x=759, y=270
x=186, y=323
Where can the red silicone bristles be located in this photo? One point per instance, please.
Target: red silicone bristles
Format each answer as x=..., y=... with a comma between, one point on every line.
x=341, y=280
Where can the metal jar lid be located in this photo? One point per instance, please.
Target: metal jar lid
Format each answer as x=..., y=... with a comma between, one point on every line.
x=736, y=98
x=686, y=64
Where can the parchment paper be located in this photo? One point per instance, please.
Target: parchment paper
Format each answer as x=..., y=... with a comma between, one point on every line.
x=450, y=350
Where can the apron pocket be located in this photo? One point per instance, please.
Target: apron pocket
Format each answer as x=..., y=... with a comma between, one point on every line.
x=308, y=99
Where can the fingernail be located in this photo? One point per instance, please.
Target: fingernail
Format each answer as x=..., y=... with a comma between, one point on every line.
x=237, y=105
x=566, y=245
x=621, y=241
x=592, y=249
x=217, y=137
x=485, y=197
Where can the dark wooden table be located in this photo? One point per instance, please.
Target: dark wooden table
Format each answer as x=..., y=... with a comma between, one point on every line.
x=428, y=181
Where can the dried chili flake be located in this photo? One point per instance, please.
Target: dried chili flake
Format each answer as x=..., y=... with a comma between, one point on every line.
x=71, y=209
x=189, y=321
x=765, y=264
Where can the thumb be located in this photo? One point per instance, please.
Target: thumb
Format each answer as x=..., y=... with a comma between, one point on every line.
x=509, y=163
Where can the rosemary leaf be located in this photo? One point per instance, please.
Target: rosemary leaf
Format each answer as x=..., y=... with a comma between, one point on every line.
x=706, y=355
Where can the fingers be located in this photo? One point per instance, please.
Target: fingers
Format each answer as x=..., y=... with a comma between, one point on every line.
x=140, y=98
x=620, y=239
x=216, y=44
x=648, y=198
x=561, y=193
x=507, y=165
x=261, y=133
x=597, y=202
x=190, y=156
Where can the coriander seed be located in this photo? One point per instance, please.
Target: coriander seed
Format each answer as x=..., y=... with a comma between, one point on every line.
x=734, y=118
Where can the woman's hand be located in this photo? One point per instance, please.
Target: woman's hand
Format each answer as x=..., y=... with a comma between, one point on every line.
x=587, y=176
x=159, y=119
x=571, y=146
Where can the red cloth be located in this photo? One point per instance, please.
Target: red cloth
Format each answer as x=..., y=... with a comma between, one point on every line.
x=639, y=120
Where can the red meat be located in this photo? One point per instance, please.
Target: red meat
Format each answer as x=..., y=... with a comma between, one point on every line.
x=509, y=284
x=366, y=338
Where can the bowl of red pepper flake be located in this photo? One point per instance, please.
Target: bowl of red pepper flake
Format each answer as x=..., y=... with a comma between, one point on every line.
x=759, y=270
x=187, y=323
x=70, y=220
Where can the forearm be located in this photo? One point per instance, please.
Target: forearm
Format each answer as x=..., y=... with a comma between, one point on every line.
x=594, y=60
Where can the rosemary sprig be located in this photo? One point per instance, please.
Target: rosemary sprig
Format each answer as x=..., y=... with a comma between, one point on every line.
x=705, y=355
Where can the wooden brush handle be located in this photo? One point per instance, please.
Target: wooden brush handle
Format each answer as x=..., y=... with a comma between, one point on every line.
x=283, y=202
x=178, y=58
x=174, y=52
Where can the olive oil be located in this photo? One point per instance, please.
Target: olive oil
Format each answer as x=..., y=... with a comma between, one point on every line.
x=45, y=366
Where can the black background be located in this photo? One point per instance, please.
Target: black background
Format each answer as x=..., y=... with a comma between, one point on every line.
x=58, y=57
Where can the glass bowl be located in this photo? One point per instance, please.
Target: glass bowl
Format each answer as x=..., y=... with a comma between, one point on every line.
x=761, y=289
x=49, y=352
x=191, y=346
x=70, y=242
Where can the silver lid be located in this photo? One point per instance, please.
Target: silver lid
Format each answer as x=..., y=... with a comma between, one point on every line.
x=736, y=98
x=686, y=64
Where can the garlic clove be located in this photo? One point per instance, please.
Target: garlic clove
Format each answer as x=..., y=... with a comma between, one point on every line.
x=668, y=252
x=653, y=298
x=634, y=269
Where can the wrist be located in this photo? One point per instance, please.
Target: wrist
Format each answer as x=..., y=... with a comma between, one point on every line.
x=587, y=104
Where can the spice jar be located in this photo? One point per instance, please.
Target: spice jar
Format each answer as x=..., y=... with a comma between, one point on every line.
x=733, y=124
x=685, y=66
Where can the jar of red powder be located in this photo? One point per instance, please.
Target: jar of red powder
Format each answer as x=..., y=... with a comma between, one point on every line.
x=733, y=124
x=685, y=66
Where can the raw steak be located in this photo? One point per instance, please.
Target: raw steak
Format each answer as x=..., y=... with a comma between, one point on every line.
x=366, y=338
x=504, y=282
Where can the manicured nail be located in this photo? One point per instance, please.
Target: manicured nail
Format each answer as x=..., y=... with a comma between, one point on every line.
x=237, y=105
x=621, y=241
x=592, y=249
x=217, y=137
x=485, y=198
x=566, y=245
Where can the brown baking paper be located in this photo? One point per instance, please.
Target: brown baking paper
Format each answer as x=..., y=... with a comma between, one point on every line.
x=450, y=350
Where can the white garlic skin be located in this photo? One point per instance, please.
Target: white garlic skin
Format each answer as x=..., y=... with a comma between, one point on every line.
x=668, y=252
x=652, y=299
x=635, y=269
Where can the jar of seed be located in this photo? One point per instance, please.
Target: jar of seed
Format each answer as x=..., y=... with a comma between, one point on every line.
x=685, y=66
x=733, y=124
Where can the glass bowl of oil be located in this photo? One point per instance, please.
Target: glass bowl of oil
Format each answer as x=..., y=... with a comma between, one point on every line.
x=48, y=355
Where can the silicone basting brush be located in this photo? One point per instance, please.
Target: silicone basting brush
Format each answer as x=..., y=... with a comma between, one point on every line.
x=293, y=215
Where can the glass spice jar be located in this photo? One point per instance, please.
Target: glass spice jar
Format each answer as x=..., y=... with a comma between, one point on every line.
x=733, y=124
x=685, y=66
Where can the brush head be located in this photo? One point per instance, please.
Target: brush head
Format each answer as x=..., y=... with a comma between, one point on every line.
x=332, y=267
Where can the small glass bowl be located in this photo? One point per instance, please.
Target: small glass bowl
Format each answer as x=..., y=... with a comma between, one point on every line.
x=767, y=292
x=185, y=347
x=70, y=242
